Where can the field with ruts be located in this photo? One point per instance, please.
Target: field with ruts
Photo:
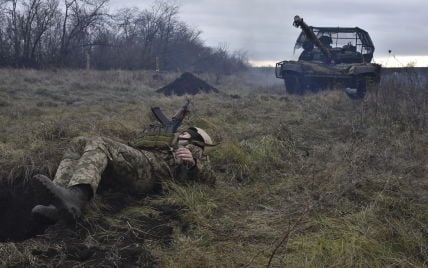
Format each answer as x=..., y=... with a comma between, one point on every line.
x=302, y=181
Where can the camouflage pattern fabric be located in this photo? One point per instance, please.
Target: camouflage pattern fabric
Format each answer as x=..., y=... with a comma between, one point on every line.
x=88, y=159
x=152, y=141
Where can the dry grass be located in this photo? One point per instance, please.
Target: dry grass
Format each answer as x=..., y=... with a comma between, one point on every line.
x=351, y=174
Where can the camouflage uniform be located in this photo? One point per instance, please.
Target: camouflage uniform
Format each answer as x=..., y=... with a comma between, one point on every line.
x=89, y=159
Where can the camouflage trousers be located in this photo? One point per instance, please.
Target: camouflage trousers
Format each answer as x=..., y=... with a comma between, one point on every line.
x=89, y=158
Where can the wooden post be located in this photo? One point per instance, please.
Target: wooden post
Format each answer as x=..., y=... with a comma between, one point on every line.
x=88, y=60
x=157, y=64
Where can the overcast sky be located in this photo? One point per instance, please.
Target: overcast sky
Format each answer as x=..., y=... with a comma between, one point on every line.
x=264, y=28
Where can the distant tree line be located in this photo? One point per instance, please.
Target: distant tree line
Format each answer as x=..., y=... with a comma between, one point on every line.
x=83, y=33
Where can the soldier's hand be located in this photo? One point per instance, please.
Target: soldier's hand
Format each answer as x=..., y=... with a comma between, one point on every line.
x=185, y=155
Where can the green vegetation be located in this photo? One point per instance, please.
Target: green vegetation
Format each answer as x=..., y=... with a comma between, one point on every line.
x=342, y=183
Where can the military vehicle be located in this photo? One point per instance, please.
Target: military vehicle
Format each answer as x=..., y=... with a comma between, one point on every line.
x=331, y=57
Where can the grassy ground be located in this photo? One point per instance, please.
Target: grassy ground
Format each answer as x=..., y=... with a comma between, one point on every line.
x=313, y=181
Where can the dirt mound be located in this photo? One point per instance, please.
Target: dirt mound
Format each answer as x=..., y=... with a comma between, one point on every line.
x=187, y=83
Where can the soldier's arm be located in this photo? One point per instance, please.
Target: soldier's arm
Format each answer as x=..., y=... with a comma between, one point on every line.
x=197, y=170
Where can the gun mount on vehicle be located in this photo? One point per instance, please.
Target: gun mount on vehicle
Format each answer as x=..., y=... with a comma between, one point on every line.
x=331, y=56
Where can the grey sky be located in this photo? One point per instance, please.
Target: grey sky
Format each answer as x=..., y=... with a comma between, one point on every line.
x=263, y=27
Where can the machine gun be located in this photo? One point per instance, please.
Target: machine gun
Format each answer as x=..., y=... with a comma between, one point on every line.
x=298, y=22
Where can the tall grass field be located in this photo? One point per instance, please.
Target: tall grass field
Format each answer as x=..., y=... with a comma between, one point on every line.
x=318, y=180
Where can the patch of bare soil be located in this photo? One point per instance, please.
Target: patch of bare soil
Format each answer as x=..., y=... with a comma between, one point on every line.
x=187, y=83
x=105, y=237
x=16, y=202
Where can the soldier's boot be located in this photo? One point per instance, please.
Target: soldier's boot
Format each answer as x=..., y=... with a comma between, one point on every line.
x=50, y=213
x=67, y=203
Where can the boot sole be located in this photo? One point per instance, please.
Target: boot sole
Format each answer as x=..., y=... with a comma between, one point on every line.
x=49, y=217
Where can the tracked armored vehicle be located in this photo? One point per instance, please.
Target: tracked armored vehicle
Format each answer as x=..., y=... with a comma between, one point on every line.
x=331, y=57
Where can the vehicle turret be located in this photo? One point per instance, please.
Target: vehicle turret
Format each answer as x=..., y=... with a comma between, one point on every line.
x=319, y=42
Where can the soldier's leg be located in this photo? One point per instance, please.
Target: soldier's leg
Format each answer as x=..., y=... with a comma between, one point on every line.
x=87, y=170
x=65, y=171
x=76, y=180
x=69, y=161
x=87, y=158
x=132, y=167
x=81, y=173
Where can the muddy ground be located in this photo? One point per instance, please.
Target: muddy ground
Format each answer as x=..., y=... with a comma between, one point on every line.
x=107, y=237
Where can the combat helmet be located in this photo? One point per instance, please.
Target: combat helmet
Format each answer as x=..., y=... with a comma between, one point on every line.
x=198, y=134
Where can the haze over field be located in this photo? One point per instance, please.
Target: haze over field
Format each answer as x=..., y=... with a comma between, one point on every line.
x=263, y=28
